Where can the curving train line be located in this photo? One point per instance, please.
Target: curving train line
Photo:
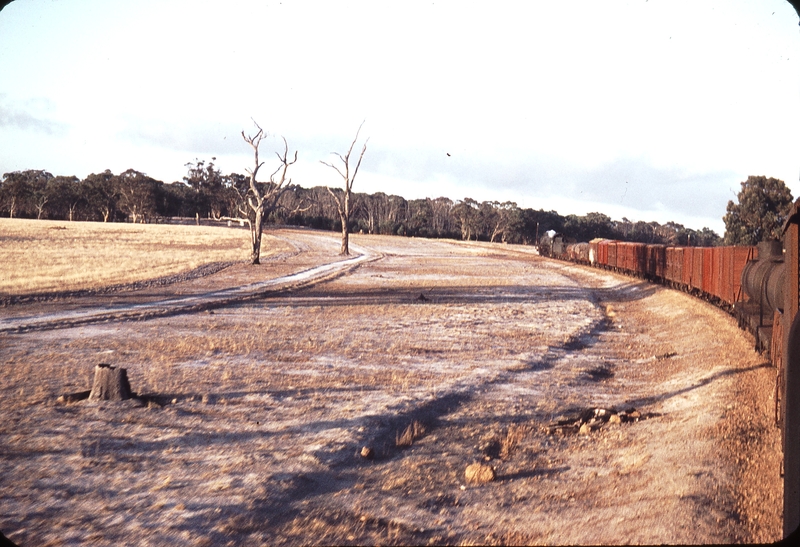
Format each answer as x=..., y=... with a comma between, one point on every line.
x=759, y=285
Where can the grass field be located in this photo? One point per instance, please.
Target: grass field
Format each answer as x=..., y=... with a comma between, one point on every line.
x=43, y=256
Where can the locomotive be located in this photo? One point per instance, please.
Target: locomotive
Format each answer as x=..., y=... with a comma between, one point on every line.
x=759, y=285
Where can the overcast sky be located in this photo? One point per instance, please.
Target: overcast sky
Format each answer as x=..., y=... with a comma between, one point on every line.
x=649, y=109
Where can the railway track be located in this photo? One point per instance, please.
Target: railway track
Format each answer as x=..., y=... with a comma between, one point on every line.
x=759, y=285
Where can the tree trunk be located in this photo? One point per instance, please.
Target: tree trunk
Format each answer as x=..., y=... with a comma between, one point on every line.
x=110, y=384
x=345, y=237
x=256, y=229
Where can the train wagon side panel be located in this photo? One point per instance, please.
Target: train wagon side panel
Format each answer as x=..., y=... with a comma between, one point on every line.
x=697, y=268
x=708, y=272
x=711, y=271
x=579, y=252
x=688, y=266
x=612, y=254
x=726, y=288
x=720, y=271
x=630, y=259
x=669, y=264
x=639, y=256
x=602, y=253
x=656, y=261
x=622, y=255
x=674, y=259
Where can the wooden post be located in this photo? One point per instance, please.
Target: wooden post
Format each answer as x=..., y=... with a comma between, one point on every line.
x=110, y=384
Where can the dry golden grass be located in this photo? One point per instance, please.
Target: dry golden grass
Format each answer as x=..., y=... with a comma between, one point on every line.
x=44, y=256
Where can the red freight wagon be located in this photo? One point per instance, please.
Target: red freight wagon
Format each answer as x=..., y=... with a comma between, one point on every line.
x=656, y=261
x=602, y=253
x=612, y=254
x=688, y=267
x=630, y=257
x=622, y=255
x=726, y=291
x=697, y=268
x=669, y=263
x=674, y=271
x=627, y=256
x=716, y=265
x=639, y=258
x=709, y=272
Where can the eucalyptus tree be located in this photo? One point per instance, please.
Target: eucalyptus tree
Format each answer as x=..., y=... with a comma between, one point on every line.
x=343, y=202
x=101, y=193
x=208, y=184
x=466, y=213
x=762, y=207
x=65, y=195
x=16, y=192
x=137, y=194
x=25, y=191
x=260, y=198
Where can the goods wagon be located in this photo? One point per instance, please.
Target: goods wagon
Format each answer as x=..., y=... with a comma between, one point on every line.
x=578, y=252
x=656, y=261
x=761, y=287
x=713, y=273
x=673, y=273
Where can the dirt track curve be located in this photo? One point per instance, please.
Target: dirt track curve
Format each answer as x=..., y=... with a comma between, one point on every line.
x=200, y=301
x=255, y=414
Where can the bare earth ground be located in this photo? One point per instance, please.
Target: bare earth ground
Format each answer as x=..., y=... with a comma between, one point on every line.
x=253, y=415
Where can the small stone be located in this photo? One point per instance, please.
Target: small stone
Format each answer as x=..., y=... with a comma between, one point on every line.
x=614, y=419
x=367, y=453
x=479, y=473
x=585, y=429
x=634, y=415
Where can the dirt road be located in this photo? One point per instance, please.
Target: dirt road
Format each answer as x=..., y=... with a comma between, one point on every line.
x=434, y=357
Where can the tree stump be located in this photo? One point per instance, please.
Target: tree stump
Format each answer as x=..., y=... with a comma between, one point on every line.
x=110, y=384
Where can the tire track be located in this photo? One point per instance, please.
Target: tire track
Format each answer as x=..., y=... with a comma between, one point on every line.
x=192, y=303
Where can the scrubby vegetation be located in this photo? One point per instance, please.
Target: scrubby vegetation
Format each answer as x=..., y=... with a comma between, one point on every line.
x=206, y=193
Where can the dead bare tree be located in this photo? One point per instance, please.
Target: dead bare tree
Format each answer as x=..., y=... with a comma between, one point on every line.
x=262, y=197
x=343, y=204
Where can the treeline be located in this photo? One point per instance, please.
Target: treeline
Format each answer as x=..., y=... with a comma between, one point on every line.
x=206, y=193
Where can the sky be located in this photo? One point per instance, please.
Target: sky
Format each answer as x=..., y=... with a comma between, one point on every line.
x=644, y=109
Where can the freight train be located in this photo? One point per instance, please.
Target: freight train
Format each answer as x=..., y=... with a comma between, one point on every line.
x=759, y=285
